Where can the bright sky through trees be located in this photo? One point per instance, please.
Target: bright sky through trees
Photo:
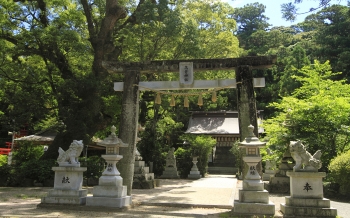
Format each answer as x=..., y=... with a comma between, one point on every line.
x=273, y=9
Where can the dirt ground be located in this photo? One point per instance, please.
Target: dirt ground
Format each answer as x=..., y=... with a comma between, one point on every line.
x=22, y=202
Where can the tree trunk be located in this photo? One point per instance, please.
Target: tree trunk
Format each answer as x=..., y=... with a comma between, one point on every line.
x=128, y=127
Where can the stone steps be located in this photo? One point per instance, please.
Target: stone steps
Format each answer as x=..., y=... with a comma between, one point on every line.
x=222, y=170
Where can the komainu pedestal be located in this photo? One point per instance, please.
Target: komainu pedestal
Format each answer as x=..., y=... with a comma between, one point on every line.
x=306, y=188
x=68, y=178
x=170, y=171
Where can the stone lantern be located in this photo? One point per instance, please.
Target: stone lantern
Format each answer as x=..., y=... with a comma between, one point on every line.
x=110, y=192
x=253, y=198
x=252, y=146
x=112, y=144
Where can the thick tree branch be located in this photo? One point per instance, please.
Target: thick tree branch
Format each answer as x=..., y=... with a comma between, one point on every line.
x=89, y=20
x=132, y=19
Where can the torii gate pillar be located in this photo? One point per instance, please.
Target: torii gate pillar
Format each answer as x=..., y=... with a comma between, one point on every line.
x=246, y=101
x=246, y=107
x=128, y=126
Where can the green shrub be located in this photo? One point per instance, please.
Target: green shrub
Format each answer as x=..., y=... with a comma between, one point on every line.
x=3, y=160
x=37, y=170
x=27, y=151
x=27, y=165
x=183, y=161
x=238, y=153
x=4, y=174
x=200, y=146
x=339, y=172
x=95, y=166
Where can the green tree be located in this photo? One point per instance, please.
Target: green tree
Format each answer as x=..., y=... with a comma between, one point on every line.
x=203, y=30
x=52, y=63
x=316, y=113
x=199, y=146
x=333, y=39
x=294, y=63
x=250, y=18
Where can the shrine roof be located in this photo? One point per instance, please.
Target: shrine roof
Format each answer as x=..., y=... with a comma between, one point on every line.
x=214, y=123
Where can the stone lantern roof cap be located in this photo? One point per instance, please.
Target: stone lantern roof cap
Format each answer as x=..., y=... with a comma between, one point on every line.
x=252, y=140
x=112, y=140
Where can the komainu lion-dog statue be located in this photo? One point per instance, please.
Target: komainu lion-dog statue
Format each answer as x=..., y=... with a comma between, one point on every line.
x=71, y=155
x=304, y=161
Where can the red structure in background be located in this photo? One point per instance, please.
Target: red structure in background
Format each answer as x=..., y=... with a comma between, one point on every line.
x=20, y=134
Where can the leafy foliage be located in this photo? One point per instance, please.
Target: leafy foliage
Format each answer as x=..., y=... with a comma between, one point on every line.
x=339, y=171
x=37, y=170
x=250, y=19
x=3, y=160
x=27, y=151
x=200, y=146
x=317, y=113
x=95, y=166
x=27, y=165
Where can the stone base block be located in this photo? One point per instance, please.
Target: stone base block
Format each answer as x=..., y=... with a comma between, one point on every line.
x=149, y=176
x=108, y=202
x=139, y=164
x=266, y=176
x=145, y=176
x=195, y=172
x=194, y=176
x=304, y=202
x=279, y=180
x=109, y=191
x=170, y=173
x=308, y=211
x=110, y=180
x=254, y=208
x=141, y=170
x=61, y=196
x=64, y=200
x=254, y=196
x=306, y=184
x=253, y=185
x=279, y=184
x=67, y=193
x=137, y=184
x=69, y=178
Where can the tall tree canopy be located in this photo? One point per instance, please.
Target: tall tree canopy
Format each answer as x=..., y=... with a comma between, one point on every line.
x=59, y=46
x=250, y=18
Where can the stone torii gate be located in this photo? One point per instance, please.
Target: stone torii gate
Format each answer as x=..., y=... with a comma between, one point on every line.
x=130, y=101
